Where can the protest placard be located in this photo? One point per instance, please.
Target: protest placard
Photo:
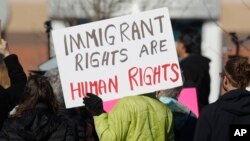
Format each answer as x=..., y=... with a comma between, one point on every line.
x=117, y=57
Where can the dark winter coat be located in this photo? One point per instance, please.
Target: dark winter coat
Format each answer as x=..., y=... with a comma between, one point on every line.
x=81, y=120
x=215, y=120
x=38, y=124
x=183, y=118
x=10, y=97
x=196, y=73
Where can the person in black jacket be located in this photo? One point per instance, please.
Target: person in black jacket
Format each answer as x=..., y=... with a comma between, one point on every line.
x=195, y=67
x=183, y=118
x=79, y=118
x=233, y=107
x=35, y=118
x=4, y=76
x=10, y=96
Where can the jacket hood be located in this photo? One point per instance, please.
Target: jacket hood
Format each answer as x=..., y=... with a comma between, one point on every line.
x=36, y=124
x=236, y=102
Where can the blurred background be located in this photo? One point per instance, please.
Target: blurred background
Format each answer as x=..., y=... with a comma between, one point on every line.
x=223, y=24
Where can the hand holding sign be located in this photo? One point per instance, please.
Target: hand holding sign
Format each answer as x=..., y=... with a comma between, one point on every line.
x=94, y=103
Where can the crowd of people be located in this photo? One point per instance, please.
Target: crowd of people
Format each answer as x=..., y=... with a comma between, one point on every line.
x=33, y=108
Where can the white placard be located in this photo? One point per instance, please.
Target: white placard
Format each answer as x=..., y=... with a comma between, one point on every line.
x=118, y=57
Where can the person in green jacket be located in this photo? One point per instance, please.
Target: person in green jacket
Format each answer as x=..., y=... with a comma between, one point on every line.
x=133, y=118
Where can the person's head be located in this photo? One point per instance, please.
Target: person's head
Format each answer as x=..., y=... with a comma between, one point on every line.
x=37, y=90
x=188, y=42
x=55, y=82
x=4, y=76
x=236, y=74
x=173, y=92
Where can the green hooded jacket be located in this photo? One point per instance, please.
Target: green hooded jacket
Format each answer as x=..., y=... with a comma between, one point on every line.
x=136, y=118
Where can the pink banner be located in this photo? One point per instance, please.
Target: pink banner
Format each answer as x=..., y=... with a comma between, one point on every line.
x=188, y=97
x=108, y=105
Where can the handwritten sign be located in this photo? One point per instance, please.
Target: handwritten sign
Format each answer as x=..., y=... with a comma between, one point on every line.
x=118, y=57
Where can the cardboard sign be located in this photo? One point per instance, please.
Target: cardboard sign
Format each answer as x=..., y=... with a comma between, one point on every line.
x=188, y=97
x=118, y=57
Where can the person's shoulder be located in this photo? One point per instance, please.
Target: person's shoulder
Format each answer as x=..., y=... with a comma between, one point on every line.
x=139, y=101
x=210, y=109
x=129, y=101
x=130, y=98
x=194, y=57
x=10, y=58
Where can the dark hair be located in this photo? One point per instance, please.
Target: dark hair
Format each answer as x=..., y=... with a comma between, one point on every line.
x=238, y=72
x=55, y=82
x=37, y=89
x=191, y=40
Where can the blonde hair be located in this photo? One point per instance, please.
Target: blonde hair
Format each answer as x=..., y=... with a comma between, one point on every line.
x=4, y=76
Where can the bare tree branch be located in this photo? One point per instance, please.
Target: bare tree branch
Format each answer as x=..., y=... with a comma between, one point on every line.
x=106, y=8
x=85, y=9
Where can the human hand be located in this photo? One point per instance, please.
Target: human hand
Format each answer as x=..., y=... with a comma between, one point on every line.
x=94, y=104
x=3, y=48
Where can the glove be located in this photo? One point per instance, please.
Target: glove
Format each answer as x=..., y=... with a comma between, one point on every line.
x=94, y=104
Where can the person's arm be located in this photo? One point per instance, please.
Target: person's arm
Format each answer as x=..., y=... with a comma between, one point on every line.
x=170, y=128
x=16, y=74
x=104, y=129
x=112, y=126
